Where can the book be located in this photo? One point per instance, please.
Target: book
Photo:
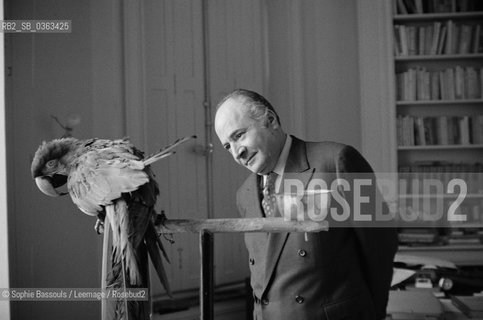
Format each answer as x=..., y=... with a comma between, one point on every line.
x=429, y=39
x=423, y=84
x=454, y=131
x=422, y=40
x=419, y=135
x=399, y=130
x=429, y=130
x=417, y=235
x=435, y=90
x=472, y=90
x=416, y=238
x=401, y=7
x=465, y=39
x=414, y=305
x=476, y=39
x=397, y=42
x=435, y=39
x=403, y=37
x=419, y=6
x=410, y=6
x=442, y=39
x=408, y=131
x=477, y=128
x=456, y=38
x=459, y=82
x=409, y=85
x=449, y=37
x=412, y=40
x=464, y=130
x=443, y=130
x=481, y=82
x=442, y=86
x=450, y=83
x=471, y=306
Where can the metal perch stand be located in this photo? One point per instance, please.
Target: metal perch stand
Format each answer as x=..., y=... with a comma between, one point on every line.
x=205, y=228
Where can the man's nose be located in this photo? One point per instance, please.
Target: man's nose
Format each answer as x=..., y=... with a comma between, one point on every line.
x=239, y=152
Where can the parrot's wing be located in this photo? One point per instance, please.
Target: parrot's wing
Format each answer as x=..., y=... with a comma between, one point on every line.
x=100, y=177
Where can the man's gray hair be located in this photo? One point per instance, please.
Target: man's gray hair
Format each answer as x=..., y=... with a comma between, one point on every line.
x=258, y=107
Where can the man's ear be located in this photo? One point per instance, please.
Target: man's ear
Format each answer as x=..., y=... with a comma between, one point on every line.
x=272, y=120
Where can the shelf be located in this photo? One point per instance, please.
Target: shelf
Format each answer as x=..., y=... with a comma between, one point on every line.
x=437, y=16
x=441, y=147
x=443, y=76
x=444, y=196
x=438, y=102
x=438, y=57
x=460, y=254
x=453, y=247
x=467, y=225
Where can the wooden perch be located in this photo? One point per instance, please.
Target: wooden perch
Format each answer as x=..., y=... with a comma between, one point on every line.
x=205, y=228
x=240, y=225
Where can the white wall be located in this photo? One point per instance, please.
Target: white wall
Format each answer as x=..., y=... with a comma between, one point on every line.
x=376, y=82
x=4, y=271
x=313, y=58
x=52, y=244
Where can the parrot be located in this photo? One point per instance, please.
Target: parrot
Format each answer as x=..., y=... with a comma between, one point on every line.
x=111, y=178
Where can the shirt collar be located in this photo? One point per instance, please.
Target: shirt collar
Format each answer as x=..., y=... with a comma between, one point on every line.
x=282, y=160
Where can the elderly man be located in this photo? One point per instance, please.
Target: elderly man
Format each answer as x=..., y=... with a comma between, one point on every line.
x=343, y=273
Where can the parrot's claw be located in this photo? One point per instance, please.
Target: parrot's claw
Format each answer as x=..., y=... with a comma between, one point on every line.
x=160, y=219
x=169, y=238
x=99, y=226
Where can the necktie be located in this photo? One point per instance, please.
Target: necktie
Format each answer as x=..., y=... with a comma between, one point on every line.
x=269, y=201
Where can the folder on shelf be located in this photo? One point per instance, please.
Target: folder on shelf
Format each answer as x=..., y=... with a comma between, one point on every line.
x=414, y=305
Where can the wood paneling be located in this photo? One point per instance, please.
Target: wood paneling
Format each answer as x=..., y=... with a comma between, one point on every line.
x=236, y=60
x=172, y=108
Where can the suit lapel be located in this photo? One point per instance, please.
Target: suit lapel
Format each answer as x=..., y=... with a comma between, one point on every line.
x=297, y=166
x=252, y=197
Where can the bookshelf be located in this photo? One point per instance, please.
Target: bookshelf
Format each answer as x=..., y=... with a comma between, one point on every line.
x=438, y=74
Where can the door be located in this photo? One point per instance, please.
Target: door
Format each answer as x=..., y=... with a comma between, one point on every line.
x=173, y=107
x=236, y=59
x=184, y=70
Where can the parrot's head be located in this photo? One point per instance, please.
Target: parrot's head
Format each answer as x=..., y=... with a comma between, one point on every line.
x=50, y=166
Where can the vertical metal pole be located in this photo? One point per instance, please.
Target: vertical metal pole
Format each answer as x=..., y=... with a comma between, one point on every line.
x=105, y=266
x=207, y=279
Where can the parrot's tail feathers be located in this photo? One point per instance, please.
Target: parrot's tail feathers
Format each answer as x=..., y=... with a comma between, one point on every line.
x=161, y=247
x=123, y=308
x=151, y=243
x=152, y=230
x=116, y=281
x=123, y=301
x=166, y=151
x=128, y=254
x=157, y=157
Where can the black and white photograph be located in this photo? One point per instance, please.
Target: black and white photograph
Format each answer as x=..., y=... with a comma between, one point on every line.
x=241, y=159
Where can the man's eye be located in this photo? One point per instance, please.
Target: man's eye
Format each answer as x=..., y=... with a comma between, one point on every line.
x=238, y=135
x=226, y=146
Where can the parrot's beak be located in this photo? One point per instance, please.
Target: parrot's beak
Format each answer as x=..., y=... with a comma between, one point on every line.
x=45, y=185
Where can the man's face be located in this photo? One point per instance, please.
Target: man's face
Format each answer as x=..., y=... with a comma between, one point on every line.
x=253, y=145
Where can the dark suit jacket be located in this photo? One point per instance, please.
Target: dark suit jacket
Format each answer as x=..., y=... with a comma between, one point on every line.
x=343, y=273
